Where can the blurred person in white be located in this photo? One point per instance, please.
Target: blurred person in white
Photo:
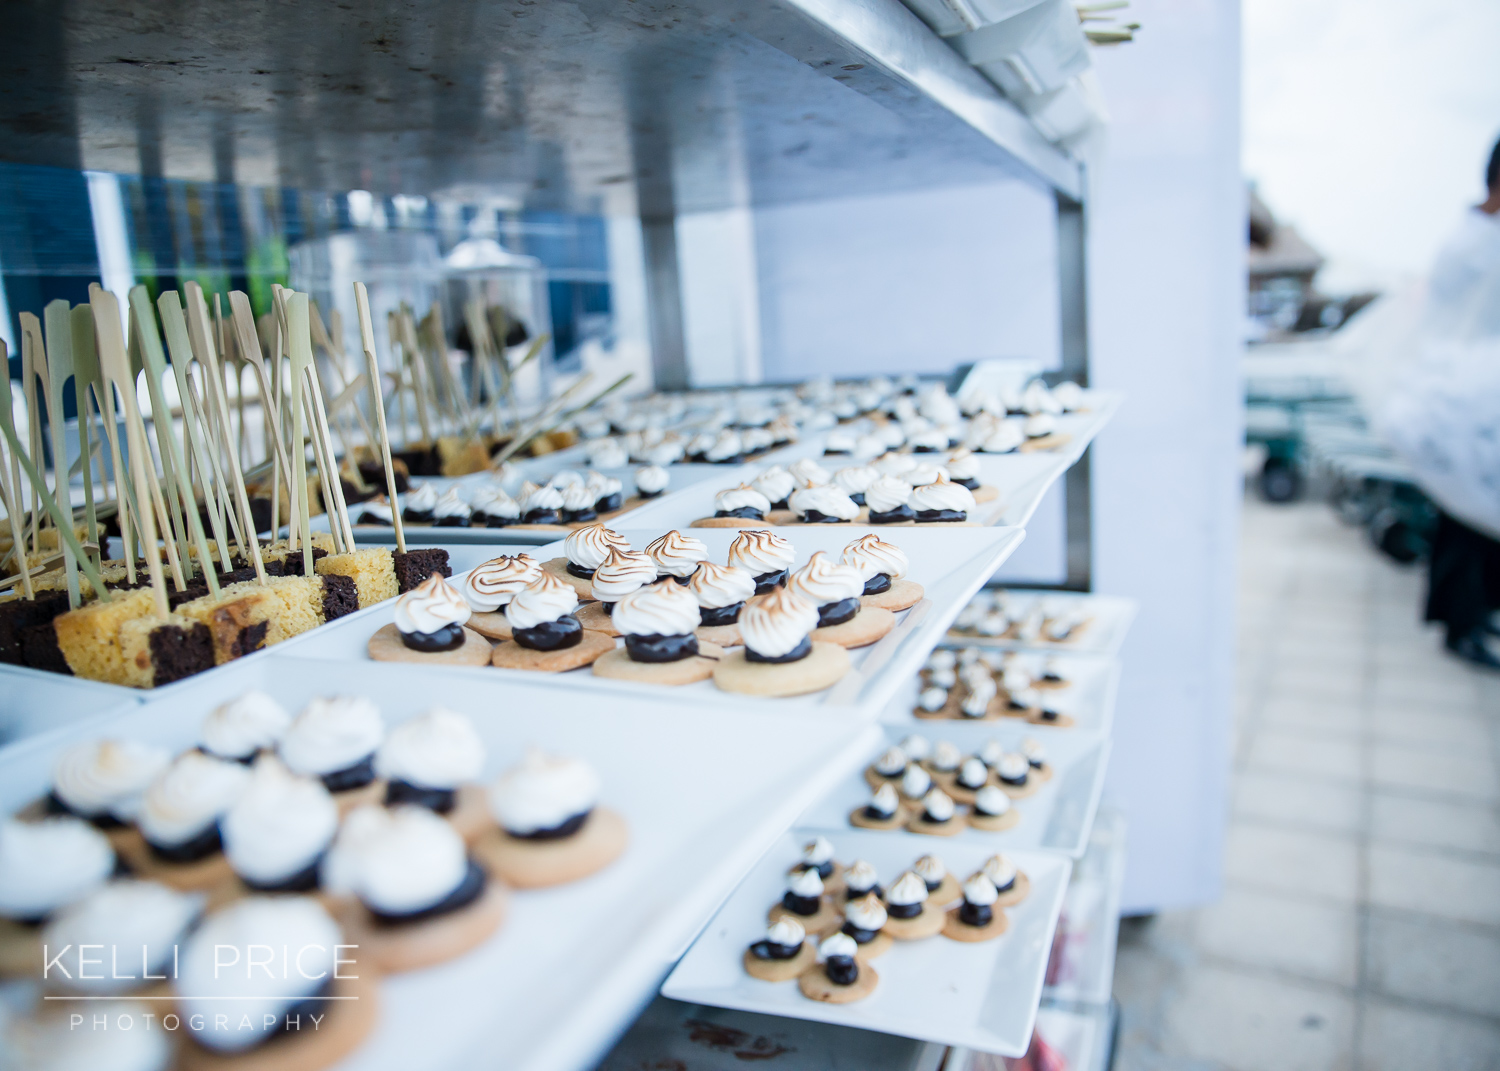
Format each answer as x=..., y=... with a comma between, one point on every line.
x=1444, y=418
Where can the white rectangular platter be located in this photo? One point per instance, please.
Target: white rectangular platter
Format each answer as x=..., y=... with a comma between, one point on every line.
x=34, y=701
x=1089, y=698
x=704, y=796
x=950, y=566
x=1105, y=634
x=1056, y=819
x=981, y=996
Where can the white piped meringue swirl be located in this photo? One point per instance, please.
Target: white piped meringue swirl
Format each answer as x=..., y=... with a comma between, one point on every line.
x=860, y=877
x=716, y=586
x=991, y=800
x=665, y=608
x=621, y=573
x=866, y=913
x=786, y=932
x=676, y=554
x=399, y=860
x=774, y=624
x=837, y=945
x=760, y=551
x=545, y=599
x=241, y=727
x=107, y=777
x=855, y=479
x=884, y=801
x=332, y=734
x=808, y=472
x=48, y=864
x=1001, y=871
x=494, y=502
x=590, y=545
x=450, y=505
x=432, y=605
x=887, y=493
x=829, y=501
x=422, y=500
x=543, y=792
x=804, y=882
x=652, y=479
x=279, y=825
x=937, y=805
x=489, y=587
x=980, y=891
x=909, y=888
x=822, y=581
x=942, y=493
x=870, y=556
x=437, y=749
x=775, y=483
x=540, y=498
x=189, y=796
x=915, y=782
x=963, y=465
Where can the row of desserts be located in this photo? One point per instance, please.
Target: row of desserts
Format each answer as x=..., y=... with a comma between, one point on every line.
x=675, y=611
x=982, y=685
x=897, y=490
x=999, y=615
x=917, y=786
x=268, y=833
x=120, y=640
x=852, y=920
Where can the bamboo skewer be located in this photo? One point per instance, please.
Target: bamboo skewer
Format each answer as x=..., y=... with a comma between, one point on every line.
x=85, y=376
x=169, y=516
x=11, y=490
x=59, y=367
x=372, y=371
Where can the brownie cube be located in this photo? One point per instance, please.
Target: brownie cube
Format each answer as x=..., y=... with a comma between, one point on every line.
x=415, y=566
x=340, y=596
x=39, y=648
x=17, y=615
x=180, y=651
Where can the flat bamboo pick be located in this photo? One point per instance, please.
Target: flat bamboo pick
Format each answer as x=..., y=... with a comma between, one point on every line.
x=59, y=369
x=11, y=490
x=169, y=517
x=249, y=538
x=372, y=372
x=85, y=375
x=33, y=363
x=115, y=362
x=155, y=359
x=174, y=324
x=333, y=491
x=299, y=342
x=249, y=343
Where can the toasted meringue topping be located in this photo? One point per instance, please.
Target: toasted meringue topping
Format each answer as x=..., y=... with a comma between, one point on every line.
x=991, y=800
x=907, y=889
x=676, y=554
x=490, y=586
x=829, y=501
x=716, y=586
x=823, y=580
x=760, y=551
x=665, y=608
x=775, y=483
x=884, y=800
x=804, y=882
x=866, y=913
x=590, y=545
x=941, y=494
x=652, y=479
x=786, y=932
x=741, y=497
x=870, y=556
x=107, y=777
x=545, y=599
x=775, y=623
x=980, y=891
x=543, y=792
x=808, y=472
x=621, y=573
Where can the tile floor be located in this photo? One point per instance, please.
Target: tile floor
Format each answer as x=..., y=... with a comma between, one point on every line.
x=1359, y=928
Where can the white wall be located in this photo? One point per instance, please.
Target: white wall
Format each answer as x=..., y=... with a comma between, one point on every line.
x=1166, y=293
x=907, y=282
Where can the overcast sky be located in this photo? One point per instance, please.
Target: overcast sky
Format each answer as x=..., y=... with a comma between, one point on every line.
x=1368, y=122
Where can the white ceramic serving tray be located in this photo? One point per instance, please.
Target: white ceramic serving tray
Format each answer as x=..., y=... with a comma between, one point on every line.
x=1105, y=634
x=1089, y=699
x=950, y=566
x=981, y=996
x=1056, y=819
x=705, y=797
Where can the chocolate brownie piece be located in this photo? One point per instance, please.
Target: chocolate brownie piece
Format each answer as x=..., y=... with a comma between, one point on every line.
x=39, y=648
x=17, y=615
x=178, y=651
x=340, y=596
x=292, y=566
x=187, y=594
x=415, y=566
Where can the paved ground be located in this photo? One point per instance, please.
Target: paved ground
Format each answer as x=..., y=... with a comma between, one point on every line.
x=1360, y=923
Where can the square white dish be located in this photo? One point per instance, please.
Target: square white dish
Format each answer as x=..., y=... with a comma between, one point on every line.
x=950, y=566
x=1056, y=818
x=981, y=996
x=572, y=964
x=1089, y=698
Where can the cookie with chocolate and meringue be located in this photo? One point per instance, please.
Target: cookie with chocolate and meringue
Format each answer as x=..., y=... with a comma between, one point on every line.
x=937, y=816
x=737, y=507
x=1036, y=757
x=335, y=739
x=139, y=925
x=433, y=760
x=545, y=636
x=243, y=727
x=180, y=843
x=971, y=776
x=783, y=954
x=883, y=811
x=430, y=625
x=721, y=591
x=835, y=589
x=780, y=658
x=621, y=573
x=541, y=508
x=992, y=810
x=883, y=566
x=102, y=782
x=888, y=767
x=277, y=832
x=807, y=901
x=1010, y=880
x=676, y=555
x=977, y=917
x=817, y=854
x=45, y=866
x=584, y=550
x=765, y=555
x=911, y=917
x=493, y=508
x=864, y=920
x=887, y=500
x=822, y=504
x=776, y=484
x=659, y=623
x=1016, y=779
x=942, y=502
x=651, y=481
x=416, y=897
x=489, y=587
x=274, y=1010
x=963, y=469
x=841, y=976
x=550, y=827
